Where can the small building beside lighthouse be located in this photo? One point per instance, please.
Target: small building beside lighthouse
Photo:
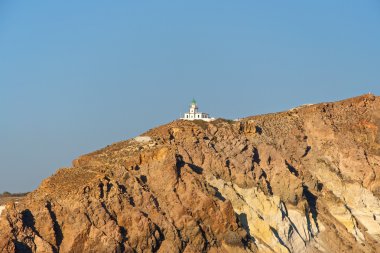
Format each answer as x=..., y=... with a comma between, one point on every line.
x=194, y=114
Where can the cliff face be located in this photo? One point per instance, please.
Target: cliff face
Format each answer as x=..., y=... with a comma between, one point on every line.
x=305, y=180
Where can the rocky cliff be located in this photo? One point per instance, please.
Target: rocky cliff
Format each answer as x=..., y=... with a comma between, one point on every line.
x=305, y=180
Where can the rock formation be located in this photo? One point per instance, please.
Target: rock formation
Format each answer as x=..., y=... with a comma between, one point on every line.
x=305, y=180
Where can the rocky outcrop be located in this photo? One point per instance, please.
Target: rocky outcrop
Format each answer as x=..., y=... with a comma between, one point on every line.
x=305, y=180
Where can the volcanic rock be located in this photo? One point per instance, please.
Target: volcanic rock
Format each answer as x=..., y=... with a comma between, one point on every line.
x=304, y=180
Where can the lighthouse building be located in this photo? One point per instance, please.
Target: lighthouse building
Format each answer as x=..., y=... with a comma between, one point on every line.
x=194, y=114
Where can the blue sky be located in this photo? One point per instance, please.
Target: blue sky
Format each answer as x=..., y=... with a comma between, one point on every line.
x=78, y=75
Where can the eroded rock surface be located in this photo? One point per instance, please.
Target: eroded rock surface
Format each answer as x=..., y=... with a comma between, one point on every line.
x=306, y=180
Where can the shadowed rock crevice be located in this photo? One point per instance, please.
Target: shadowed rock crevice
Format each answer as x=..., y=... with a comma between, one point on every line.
x=266, y=187
x=180, y=163
x=275, y=233
x=195, y=168
x=101, y=190
x=228, y=166
x=28, y=219
x=218, y=194
x=159, y=239
x=255, y=156
x=105, y=208
x=244, y=221
x=291, y=169
x=307, y=150
x=259, y=130
x=56, y=227
x=312, y=204
x=22, y=247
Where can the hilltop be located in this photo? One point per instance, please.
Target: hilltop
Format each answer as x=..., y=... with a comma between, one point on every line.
x=304, y=180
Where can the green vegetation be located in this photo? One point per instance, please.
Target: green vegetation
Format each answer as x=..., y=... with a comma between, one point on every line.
x=218, y=122
x=201, y=123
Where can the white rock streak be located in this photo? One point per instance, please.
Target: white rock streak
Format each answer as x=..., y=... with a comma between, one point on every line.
x=142, y=139
x=1, y=209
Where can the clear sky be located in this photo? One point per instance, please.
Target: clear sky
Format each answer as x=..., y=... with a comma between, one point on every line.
x=76, y=76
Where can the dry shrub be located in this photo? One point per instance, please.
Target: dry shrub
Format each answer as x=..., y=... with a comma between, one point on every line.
x=233, y=239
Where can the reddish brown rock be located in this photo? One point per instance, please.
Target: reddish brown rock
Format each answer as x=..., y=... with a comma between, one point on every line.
x=305, y=180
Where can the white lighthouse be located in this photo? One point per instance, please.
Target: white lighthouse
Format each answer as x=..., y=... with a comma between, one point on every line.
x=194, y=114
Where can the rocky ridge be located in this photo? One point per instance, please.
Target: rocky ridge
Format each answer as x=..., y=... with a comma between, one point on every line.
x=305, y=180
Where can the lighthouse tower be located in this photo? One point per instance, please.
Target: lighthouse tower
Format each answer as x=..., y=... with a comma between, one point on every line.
x=194, y=114
x=193, y=107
